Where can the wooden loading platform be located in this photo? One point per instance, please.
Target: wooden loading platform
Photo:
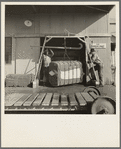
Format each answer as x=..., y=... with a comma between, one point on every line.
x=49, y=102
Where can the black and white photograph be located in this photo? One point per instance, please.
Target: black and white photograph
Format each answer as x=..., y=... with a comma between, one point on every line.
x=61, y=59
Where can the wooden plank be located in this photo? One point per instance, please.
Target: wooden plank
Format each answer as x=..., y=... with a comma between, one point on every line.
x=47, y=99
x=72, y=100
x=87, y=97
x=22, y=100
x=14, y=98
x=55, y=100
x=81, y=100
x=10, y=97
x=64, y=101
x=30, y=100
x=93, y=95
x=39, y=99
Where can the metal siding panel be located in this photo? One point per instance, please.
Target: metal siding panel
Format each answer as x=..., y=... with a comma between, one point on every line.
x=79, y=23
x=102, y=24
x=105, y=56
x=44, y=23
x=53, y=24
x=15, y=24
x=96, y=23
x=56, y=25
x=75, y=23
x=26, y=57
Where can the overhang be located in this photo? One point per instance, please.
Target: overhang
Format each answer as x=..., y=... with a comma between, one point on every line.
x=36, y=9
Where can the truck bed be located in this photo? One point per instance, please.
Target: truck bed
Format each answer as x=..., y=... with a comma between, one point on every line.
x=49, y=102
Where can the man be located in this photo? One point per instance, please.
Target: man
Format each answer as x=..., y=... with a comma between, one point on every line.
x=98, y=65
x=48, y=54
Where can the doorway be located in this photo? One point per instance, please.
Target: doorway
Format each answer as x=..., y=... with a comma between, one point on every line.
x=76, y=51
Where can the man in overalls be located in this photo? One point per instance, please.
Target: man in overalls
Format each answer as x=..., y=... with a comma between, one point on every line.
x=98, y=65
x=48, y=54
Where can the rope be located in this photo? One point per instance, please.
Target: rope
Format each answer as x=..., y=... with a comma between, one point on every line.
x=65, y=53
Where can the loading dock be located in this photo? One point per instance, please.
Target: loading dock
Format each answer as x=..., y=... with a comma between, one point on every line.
x=63, y=46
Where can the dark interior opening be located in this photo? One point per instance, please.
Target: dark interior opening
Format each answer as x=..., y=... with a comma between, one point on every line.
x=113, y=46
x=8, y=50
x=72, y=54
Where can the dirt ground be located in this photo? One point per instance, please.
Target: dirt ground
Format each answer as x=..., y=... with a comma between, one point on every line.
x=107, y=90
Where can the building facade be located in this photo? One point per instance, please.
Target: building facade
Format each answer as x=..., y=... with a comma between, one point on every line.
x=22, y=43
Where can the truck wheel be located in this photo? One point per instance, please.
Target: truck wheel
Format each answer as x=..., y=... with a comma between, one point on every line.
x=103, y=105
x=92, y=89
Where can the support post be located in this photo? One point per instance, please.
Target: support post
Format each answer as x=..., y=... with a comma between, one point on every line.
x=36, y=80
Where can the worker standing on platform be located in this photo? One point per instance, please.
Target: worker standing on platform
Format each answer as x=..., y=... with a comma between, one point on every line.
x=98, y=65
x=48, y=54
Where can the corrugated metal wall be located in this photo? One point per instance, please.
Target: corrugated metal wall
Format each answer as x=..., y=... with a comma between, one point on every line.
x=57, y=23
x=27, y=57
x=105, y=56
x=82, y=23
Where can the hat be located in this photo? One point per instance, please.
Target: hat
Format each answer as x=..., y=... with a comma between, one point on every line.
x=92, y=50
